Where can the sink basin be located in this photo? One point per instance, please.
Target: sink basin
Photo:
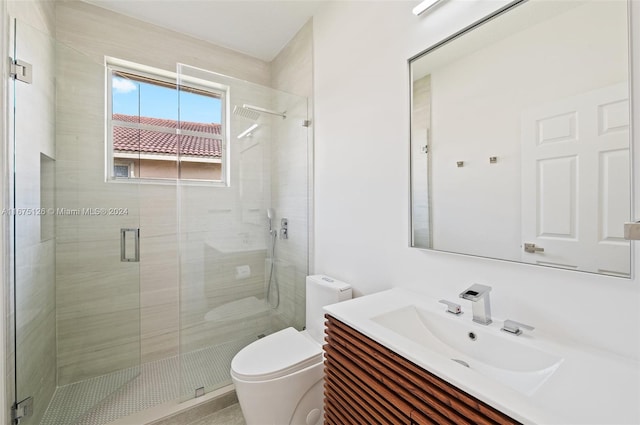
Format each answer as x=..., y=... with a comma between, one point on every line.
x=485, y=350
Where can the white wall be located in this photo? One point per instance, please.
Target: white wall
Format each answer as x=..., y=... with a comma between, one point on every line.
x=362, y=190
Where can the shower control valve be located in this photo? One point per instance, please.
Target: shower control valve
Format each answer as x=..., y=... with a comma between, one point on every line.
x=284, y=228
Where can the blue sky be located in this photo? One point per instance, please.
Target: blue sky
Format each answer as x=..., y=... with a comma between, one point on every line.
x=148, y=100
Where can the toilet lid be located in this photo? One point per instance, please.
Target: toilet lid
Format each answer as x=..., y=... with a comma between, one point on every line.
x=276, y=355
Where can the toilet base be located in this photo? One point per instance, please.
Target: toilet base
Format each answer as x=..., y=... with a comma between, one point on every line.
x=310, y=410
x=295, y=399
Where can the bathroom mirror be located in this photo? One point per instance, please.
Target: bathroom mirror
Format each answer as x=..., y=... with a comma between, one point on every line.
x=520, y=138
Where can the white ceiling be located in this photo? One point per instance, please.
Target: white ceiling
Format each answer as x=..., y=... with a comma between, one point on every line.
x=259, y=28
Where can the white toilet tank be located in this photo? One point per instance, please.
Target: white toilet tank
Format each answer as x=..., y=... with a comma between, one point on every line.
x=321, y=291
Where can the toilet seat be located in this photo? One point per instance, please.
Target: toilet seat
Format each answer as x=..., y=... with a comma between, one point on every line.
x=280, y=354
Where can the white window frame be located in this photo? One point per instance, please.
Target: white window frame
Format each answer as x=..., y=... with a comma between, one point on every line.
x=120, y=162
x=218, y=90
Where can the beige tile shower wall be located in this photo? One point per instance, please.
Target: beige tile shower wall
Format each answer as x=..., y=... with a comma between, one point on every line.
x=100, y=298
x=222, y=228
x=158, y=272
x=97, y=295
x=39, y=14
x=212, y=315
x=291, y=188
x=34, y=256
x=420, y=129
x=292, y=69
x=98, y=32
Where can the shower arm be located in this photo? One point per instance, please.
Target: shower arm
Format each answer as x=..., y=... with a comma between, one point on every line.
x=265, y=111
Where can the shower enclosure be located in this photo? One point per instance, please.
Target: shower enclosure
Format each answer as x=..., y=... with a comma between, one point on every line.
x=132, y=290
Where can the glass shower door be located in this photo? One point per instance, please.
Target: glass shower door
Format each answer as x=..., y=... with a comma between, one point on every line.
x=75, y=247
x=233, y=288
x=33, y=245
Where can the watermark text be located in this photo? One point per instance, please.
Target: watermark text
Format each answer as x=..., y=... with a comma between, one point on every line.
x=97, y=211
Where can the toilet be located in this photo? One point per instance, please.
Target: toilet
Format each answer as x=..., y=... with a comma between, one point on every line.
x=279, y=378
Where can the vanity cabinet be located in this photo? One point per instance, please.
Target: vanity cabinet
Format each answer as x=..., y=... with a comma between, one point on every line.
x=366, y=383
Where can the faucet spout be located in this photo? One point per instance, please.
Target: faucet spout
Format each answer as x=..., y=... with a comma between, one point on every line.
x=480, y=304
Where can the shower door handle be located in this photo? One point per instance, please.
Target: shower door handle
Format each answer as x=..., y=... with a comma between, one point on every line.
x=129, y=237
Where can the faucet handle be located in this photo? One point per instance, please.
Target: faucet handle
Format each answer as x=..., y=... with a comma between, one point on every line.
x=452, y=308
x=513, y=327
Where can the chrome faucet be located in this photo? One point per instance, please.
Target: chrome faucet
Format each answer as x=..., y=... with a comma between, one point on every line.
x=480, y=305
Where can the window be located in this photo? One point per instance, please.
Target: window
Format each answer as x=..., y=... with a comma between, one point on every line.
x=159, y=131
x=122, y=170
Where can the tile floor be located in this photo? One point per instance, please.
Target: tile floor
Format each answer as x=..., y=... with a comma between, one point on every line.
x=231, y=415
x=100, y=400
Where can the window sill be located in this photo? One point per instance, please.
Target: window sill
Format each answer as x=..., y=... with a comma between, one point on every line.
x=167, y=182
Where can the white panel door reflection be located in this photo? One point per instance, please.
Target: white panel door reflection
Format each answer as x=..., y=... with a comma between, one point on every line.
x=575, y=182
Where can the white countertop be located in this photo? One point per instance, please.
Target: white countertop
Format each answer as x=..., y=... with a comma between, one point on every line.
x=589, y=386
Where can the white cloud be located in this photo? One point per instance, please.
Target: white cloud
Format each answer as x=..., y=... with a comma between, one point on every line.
x=121, y=85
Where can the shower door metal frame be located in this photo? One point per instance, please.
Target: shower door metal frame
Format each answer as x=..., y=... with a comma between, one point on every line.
x=5, y=305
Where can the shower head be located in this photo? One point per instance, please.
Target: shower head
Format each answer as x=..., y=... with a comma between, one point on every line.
x=260, y=110
x=270, y=214
x=246, y=113
x=253, y=112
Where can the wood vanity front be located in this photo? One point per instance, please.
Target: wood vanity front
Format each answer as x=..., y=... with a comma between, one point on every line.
x=366, y=383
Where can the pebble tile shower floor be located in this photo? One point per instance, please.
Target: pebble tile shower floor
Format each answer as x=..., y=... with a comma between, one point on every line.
x=158, y=382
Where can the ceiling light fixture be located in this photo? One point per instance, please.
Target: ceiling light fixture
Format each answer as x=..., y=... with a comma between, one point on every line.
x=424, y=6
